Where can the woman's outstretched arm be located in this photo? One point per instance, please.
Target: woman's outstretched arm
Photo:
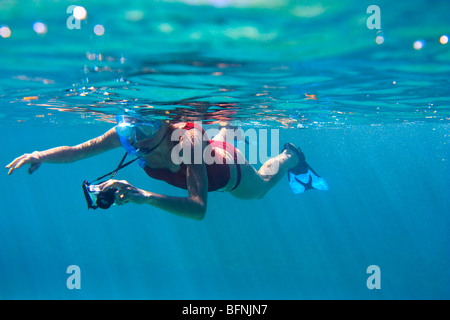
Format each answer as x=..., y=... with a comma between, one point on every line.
x=65, y=154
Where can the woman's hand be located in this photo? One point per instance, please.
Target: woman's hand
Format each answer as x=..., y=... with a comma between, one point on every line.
x=125, y=192
x=33, y=159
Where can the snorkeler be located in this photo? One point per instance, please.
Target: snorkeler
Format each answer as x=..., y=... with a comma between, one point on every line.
x=153, y=143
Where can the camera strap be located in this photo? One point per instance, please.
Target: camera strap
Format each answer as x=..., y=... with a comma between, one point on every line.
x=120, y=166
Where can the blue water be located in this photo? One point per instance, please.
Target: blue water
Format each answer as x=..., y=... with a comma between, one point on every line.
x=378, y=132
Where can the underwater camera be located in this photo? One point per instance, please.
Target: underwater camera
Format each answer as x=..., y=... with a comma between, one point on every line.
x=96, y=198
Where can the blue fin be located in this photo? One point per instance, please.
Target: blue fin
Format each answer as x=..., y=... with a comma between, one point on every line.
x=302, y=177
x=310, y=180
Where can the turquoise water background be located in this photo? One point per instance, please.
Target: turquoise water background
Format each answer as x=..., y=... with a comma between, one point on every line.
x=378, y=132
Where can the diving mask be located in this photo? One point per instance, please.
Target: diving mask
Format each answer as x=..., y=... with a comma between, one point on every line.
x=136, y=130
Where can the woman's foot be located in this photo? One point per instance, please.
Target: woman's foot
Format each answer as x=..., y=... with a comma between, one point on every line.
x=301, y=166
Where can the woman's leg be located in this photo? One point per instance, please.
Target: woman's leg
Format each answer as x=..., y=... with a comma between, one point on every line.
x=255, y=184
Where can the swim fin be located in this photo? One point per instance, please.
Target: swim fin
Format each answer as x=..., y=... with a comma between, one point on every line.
x=302, y=177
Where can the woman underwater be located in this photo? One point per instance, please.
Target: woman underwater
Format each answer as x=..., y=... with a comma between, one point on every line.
x=166, y=152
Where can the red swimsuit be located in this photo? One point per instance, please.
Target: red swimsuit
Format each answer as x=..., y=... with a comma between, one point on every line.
x=218, y=172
